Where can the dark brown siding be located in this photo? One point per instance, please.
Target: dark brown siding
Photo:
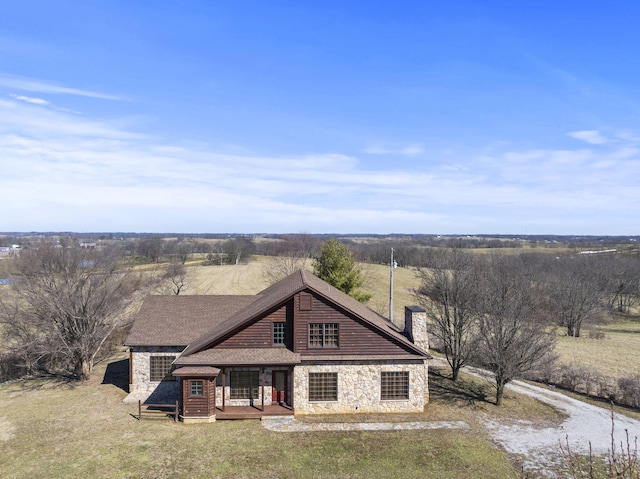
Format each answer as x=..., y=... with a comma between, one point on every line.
x=197, y=406
x=259, y=333
x=355, y=336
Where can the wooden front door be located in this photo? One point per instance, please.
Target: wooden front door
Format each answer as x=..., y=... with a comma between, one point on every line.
x=279, y=387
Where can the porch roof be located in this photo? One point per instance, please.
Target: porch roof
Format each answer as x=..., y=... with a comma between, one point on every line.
x=240, y=357
x=197, y=371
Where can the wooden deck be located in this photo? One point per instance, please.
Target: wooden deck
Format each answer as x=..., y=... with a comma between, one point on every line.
x=252, y=412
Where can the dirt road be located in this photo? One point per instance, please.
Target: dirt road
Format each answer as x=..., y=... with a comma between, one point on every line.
x=585, y=424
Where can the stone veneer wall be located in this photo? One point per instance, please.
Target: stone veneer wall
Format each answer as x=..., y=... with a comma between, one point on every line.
x=359, y=387
x=142, y=388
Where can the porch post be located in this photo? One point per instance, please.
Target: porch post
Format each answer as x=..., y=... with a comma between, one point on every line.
x=215, y=390
x=293, y=392
x=224, y=386
x=262, y=388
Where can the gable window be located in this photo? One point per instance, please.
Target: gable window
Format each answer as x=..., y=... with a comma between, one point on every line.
x=394, y=385
x=323, y=335
x=196, y=388
x=323, y=386
x=244, y=384
x=161, y=368
x=279, y=333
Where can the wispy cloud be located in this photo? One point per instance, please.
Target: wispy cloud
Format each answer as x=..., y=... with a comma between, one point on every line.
x=26, y=84
x=28, y=99
x=69, y=172
x=410, y=150
x=592, y=137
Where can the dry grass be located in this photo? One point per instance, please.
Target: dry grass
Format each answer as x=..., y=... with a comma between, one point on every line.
x=55, y=429
x=617, y=355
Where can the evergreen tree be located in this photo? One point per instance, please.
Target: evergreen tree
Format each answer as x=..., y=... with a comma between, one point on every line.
x=337, y=266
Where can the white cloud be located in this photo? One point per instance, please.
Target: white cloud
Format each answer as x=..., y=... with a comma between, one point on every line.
x=410, y=150
x=28, y=99
x=592, y=137
x=26, y=84
x=64, y=172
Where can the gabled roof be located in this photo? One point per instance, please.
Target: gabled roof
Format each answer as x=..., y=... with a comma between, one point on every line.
x=280, y=292
x=172, y=320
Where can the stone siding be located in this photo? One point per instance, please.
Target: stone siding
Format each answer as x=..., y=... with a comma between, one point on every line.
x=359, y=387
x=142, y=388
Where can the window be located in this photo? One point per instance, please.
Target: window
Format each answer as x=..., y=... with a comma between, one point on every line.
x=323, y=335
x=279, y=333
x=196, y=387
x=323, y=386
x=161, y=368
x=394, y=385
x=244, y=385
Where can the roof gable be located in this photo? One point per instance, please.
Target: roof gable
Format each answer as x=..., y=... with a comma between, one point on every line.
x=281, y=292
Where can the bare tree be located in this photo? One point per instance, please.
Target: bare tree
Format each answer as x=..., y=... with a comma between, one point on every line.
x=577, y=289
x=65, y=304
x=176, y=273
x=239, y=248
x=293, y=252
x=511, y=337
x=280, y=267
x=448, y=292
x=624, y=283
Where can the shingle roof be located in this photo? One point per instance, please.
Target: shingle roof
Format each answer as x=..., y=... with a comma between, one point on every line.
x=178, y=320
x=241, y=357
x=206, y=371
x=199, y=321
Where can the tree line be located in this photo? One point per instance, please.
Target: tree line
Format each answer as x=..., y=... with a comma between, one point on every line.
x=497, y=311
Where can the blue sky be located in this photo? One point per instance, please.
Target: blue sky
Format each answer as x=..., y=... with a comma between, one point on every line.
x=322, y=117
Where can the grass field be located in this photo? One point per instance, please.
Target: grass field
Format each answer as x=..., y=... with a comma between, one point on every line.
x=50, y=428
x=54, y=429
x=617, y=355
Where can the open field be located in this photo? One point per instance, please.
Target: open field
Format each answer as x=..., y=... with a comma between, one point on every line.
x=618, y=354
x=50, y=428
x=249, y=279
x=54, y=429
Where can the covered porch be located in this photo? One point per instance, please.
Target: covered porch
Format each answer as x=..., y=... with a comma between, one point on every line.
x=243, y=384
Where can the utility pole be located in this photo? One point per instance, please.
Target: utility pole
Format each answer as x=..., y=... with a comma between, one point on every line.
x=393, y=265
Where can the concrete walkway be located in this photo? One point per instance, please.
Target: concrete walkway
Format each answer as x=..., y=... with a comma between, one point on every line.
x=289, y=424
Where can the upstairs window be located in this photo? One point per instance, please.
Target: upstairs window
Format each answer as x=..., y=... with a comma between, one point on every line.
x=323, y=335
x=161, y=368
x=279, y=333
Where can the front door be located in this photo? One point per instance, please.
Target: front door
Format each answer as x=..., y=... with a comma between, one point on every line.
x=279, y=387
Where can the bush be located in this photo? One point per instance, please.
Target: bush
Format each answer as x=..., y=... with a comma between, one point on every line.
x=11, y=367
x=630, y=390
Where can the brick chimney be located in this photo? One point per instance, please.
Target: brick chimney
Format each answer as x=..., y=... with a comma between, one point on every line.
x=415, y=326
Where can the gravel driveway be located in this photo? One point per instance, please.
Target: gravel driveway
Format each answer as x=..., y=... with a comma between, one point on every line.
x=585, y=423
